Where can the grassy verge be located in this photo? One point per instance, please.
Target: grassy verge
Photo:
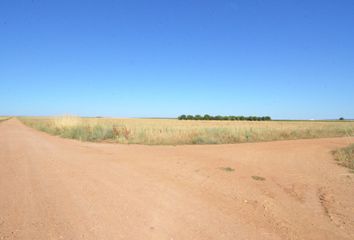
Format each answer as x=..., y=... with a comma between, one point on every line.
x=345, y=156
x=175, y=132
x=4, y=119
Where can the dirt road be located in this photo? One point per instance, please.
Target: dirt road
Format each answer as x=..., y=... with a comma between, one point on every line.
x=53, y=188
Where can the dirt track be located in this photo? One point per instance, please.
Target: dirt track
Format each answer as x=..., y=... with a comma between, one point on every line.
x=53, y=188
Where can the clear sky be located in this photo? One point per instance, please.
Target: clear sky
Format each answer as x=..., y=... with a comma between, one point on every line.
x=158, y=58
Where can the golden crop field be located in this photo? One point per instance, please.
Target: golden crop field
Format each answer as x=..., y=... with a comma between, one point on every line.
x=3, y=118
x=173, y=132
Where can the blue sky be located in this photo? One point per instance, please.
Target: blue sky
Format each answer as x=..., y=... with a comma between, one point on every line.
x=157, y=58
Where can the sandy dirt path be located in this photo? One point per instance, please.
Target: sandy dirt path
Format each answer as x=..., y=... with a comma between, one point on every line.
x=54, y=188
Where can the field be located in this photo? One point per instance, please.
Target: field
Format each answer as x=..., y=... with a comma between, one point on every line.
x=56, y=188
x=3, y=118
x=176, y=132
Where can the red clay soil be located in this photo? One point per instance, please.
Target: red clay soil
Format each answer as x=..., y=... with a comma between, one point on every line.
x=54, y=188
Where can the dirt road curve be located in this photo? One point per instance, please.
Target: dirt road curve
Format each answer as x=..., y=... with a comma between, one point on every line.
x=53, y=188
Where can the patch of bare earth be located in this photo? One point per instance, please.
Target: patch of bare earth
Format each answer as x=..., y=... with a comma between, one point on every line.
x=53, y=188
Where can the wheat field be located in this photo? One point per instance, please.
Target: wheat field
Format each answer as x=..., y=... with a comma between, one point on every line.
x=3, y=118
x=174, y=132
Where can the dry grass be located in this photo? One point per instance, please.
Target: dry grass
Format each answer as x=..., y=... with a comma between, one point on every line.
x=173, y=132
x=345, y=156
x=227, y=169
x=3, y=118
x=67, y=121
x=258, y=178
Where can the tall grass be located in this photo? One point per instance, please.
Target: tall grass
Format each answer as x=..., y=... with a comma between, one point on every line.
x=4, y=118
x=345, y=156
x=173, y=132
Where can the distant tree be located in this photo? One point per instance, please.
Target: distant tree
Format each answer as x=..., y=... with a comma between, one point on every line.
x=190, y=117
x=230, y=118
x=182, y=117
x=341, y=118
x=207, y=117
x=218, y=117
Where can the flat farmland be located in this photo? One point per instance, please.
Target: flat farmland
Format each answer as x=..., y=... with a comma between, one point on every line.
x=176, y=132
x=56, y=188
x=3, y=118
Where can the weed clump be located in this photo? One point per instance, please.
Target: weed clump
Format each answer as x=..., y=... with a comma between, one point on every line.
x=345, y=156
x=227, y=169
x=258, y=178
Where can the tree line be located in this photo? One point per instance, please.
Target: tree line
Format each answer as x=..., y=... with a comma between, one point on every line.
x=225, y=118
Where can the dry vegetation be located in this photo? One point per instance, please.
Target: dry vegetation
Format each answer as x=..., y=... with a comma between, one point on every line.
x=3, y=118
x=173, y=132
x=345, y=156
